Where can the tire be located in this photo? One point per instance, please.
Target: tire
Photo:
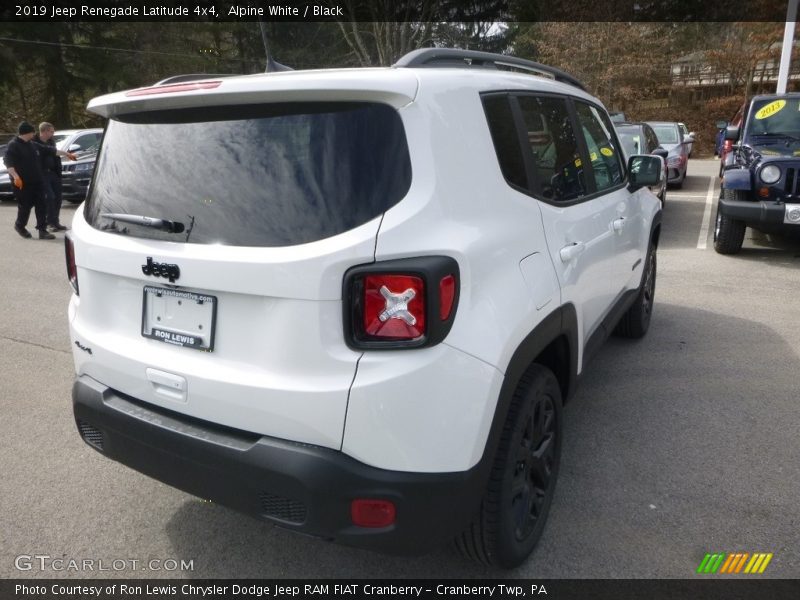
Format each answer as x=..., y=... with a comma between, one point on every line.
x=636, y=320
x=514, y=509
x=679, y=185
x=729, y=233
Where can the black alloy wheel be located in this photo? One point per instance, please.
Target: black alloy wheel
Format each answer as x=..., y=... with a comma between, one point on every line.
x=514, y=510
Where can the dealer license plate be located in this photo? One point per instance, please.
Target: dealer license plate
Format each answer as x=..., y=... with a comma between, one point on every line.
x=179, y=318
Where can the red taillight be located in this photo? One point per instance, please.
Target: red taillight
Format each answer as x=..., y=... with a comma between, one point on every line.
x=72, y=269
x=176, y=87
x=372, y=513
x=447, y=294
x=394, y=307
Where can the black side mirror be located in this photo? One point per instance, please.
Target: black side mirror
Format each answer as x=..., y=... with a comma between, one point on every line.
x=731, y=133
x=645, y=171
x=661, y=152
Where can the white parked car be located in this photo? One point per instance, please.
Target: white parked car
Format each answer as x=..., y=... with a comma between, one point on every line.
x=352, y=302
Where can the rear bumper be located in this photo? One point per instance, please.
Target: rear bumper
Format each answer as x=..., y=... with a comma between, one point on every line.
x=762, y=215
x=297, y=486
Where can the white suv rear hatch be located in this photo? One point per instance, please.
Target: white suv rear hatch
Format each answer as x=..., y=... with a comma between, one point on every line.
x=268, y=201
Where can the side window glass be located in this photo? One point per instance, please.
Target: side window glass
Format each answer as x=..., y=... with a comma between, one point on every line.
x=557, y=162
x=652, y=140
x=505, y=139
x=603, y=152
x=82, y=141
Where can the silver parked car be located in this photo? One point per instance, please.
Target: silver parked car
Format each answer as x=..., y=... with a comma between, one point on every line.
x=639, y=138
x=670, y=137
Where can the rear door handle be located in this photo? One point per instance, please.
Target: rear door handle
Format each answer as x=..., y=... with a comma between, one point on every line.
x=618, y=224
x=572, y=251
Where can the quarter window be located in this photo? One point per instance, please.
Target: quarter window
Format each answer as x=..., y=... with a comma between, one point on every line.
x=505, y=139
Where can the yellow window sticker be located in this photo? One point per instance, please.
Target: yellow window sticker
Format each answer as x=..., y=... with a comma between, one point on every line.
x=606, y=151
x=578, y=162
x=770, y=109
x=593, y=156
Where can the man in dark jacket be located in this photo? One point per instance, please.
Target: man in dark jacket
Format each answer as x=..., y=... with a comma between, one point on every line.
x=24, y=167
x=51, y=173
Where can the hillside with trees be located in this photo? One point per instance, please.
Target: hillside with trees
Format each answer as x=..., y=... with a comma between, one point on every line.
x=693, y=72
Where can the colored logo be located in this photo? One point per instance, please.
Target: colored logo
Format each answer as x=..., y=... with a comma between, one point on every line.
x=737, y=562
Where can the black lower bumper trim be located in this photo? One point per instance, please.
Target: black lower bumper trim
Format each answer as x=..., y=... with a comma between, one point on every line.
x=763, y=215
x=297, y=486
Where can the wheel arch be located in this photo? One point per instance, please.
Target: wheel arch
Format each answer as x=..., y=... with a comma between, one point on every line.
x=553, y=343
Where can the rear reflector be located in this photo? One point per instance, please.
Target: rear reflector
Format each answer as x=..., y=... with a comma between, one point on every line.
x=72, y=269
x=372, y=513
x=177, y=87
x=447, y=294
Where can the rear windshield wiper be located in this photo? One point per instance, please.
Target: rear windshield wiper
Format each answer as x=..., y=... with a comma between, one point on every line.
x=162, y=224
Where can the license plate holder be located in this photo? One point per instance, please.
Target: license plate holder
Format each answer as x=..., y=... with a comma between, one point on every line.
x=178, y=317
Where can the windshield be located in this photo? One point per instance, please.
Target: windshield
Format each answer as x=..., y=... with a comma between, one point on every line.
x=631, y=139
x=667, y=134
x=256, y=175
x=772, y=122
x=58, y=140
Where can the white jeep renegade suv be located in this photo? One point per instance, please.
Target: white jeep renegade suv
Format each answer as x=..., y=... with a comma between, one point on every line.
x=351, y=302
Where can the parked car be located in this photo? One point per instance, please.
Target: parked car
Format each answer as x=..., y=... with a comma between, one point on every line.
x=761, y=181
x=6, y=186
x=76, y=176
x=617, y=117
x=671, y=139
x=82, y=142
x=639, y=138
x=352, y=302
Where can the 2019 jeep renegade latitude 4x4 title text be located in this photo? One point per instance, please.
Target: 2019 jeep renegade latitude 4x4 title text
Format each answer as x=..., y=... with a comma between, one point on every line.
x=359, y=315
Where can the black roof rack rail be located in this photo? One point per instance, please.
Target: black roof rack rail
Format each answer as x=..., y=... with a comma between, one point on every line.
x=454, y=57
x=193, y=77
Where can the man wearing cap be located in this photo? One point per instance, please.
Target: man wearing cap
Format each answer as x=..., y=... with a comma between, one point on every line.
x=24, y=167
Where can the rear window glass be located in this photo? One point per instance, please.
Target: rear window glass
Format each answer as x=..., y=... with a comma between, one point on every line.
x=667, y=134
x=632, y=140
x=255, y=175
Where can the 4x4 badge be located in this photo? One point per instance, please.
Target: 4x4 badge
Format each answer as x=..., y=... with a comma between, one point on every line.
x=172, y=272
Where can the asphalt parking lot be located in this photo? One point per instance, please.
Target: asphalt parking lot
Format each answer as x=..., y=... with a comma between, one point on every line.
x=683, y=443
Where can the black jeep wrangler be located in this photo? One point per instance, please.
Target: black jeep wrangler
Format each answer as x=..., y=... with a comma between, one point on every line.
x=761, y=181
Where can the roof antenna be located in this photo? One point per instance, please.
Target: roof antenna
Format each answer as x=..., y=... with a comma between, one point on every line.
x=272, y=66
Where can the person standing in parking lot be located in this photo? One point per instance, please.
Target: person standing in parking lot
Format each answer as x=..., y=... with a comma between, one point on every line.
x=51, y=173
x=24, y=167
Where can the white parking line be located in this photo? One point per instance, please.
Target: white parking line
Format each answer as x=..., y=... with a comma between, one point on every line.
x=701, y=241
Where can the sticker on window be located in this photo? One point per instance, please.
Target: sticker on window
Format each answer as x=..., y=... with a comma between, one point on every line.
x=606, y=152
x=770, y=109
x=593, y=156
